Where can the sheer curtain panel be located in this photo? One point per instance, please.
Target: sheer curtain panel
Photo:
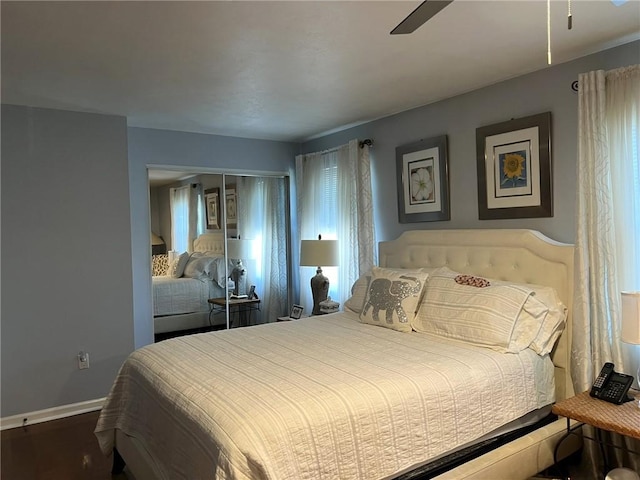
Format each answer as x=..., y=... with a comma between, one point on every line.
x=261, y=205
x=334, y=200
x=607, y=233
x=187, y=220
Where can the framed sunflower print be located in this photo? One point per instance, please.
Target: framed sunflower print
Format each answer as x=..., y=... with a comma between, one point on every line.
x=423, y=181
x=514, y=168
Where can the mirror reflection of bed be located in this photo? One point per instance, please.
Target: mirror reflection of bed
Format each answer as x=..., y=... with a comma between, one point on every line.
x=233, y=252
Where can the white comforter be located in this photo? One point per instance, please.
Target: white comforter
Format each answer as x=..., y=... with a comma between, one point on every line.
x=320, y=398
x=173, y=296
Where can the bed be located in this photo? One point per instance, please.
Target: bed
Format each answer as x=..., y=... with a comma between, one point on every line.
x=180, y=302
x=337, y=396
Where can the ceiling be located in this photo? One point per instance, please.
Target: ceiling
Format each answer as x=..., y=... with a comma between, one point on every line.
x=290, y=70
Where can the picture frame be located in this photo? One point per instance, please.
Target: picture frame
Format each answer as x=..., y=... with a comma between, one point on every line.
x=422, y=170
x=231, y=199
x=252, y=292
x=514, y=168
x=212, y=203
x=296, y=312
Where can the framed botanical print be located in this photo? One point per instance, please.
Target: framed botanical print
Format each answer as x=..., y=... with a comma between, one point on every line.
x=231, y=206
x=423, y=181
x=514, y=168
x=212, y=202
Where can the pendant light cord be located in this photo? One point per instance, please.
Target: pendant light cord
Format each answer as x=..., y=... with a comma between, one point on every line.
x=549, y=32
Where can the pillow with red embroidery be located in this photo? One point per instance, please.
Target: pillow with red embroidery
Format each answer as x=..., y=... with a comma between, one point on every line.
x=504, y=316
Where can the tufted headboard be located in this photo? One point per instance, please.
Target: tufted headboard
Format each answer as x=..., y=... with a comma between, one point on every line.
x=209, y=242
x=524, y=256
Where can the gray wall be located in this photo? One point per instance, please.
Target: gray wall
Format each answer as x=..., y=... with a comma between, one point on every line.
x=170, y=148
x=66, y=256
x=74, y=210
x=458, y=118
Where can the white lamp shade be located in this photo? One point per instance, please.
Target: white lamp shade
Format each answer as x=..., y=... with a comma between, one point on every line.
x=238, y=249
x=631, y=317
x=319, y=253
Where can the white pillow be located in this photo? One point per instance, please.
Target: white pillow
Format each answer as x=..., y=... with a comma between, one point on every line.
x=198, y=266
x=176, y=269
x=540, y=322
x=358, y=293
x=392, y=298
x=537, y=325
x=554, y=322
x=359, y=289
x=484, y=316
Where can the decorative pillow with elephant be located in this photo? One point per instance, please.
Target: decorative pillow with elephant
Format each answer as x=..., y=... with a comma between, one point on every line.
x=359, y=290
x=392, y=298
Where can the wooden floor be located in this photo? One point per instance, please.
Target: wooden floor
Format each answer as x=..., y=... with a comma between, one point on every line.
x=67, y=449
x=64, y=449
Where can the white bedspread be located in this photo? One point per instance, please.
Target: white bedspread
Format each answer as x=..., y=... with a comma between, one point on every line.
x=173, y=296
x=320, y=398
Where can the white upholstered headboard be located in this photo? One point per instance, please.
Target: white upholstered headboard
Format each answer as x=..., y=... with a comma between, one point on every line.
x=209, y=242
x=524, y=256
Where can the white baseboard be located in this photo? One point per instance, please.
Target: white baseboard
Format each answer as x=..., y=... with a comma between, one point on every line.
x=53, y=413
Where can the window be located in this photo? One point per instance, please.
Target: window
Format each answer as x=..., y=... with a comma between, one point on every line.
x=187, y=216
x=334, y=200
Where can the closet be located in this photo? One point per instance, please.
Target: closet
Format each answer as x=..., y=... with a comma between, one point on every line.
x=245, y=220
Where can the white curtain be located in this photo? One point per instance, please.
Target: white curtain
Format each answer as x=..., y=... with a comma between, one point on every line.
x=262, y=207
x=187, y=220
x=607, y=226
x=334, y=200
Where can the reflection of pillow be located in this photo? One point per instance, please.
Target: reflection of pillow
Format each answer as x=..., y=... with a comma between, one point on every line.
x=159, y=265
x=392, y=298
x=198, y=266
x=482, y=316
x=359, y=289
x=176, y=269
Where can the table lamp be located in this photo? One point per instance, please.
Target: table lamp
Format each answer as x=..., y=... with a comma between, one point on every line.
x=237, y=250
x=158, y=247
x=318, y=253
x=631, y=320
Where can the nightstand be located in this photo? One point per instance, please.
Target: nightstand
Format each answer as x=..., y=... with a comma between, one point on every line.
x=622, y=419
x=241, y=306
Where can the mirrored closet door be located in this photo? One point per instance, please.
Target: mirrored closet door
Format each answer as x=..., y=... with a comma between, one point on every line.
x=228, y=237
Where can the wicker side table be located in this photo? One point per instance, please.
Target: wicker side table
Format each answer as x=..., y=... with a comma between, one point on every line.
x=622, y=419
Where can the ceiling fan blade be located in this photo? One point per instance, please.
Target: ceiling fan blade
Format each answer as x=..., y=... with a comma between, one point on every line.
x=420, y=15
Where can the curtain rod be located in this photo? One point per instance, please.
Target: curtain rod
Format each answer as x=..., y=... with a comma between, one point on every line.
x=366, y=141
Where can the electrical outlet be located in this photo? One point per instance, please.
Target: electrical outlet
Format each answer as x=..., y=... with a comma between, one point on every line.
x=83, y=360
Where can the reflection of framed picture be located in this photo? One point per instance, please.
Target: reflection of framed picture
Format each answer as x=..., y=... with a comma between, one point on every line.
x=423, y=181
x=212, y=202
x=296, y=312
x=232, y=206
x=514, y=168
